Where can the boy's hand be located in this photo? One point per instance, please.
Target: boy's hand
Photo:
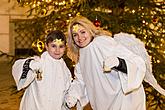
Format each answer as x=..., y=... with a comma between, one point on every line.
x=35, y=65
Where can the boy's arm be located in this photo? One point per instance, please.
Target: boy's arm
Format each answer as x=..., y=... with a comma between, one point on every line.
x=23, y=73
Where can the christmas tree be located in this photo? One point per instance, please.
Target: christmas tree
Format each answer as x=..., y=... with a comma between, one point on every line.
x=144, y=18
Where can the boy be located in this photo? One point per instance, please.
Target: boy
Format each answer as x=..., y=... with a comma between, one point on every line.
x=45, y=79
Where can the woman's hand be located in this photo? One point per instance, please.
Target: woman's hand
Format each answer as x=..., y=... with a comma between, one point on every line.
x=109, y=63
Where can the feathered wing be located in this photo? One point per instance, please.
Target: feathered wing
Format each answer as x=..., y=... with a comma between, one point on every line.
x=138, y=47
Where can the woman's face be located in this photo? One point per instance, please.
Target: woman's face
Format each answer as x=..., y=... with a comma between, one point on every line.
x=81, y=36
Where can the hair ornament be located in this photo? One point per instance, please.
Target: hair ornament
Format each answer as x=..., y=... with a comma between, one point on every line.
x=75, y=27
x=58, y=41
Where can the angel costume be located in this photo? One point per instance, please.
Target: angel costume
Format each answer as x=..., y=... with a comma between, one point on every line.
x=114, y=90
x=47, y=93
x=118, y=89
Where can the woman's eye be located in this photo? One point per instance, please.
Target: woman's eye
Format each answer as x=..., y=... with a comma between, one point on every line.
x=74, y=35
x=83, y=32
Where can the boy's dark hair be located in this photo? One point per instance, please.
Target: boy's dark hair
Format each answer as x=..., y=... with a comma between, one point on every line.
x=57, y=34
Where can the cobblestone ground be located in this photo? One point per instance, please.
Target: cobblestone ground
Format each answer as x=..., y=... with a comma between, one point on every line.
x=9, y=100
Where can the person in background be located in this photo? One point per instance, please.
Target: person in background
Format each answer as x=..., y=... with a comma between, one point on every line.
x=45, y=78
x=110, y=74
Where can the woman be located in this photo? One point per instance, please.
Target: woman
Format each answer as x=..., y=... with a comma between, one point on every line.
x=112, y=74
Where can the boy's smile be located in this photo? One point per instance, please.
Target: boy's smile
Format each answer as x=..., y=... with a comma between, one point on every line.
x=56, y=48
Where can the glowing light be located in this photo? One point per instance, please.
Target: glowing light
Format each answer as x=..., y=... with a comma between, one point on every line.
x=133, y=11
x=38, y=3
x=152, y=45
x=161, y=39
x=34, y=5
x=158, y=61
x=144, y=21
x=71, y=1
x=48, y=0
x=151, y=26
x=56, y=3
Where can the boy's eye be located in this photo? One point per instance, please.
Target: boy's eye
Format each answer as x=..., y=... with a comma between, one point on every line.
x=62, y=46
x=53, y=45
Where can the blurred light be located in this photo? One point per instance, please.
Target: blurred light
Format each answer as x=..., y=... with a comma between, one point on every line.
x=151, y=26
x=48, y=0
x=158, y=61
x=152, y=45
x=34, y=5
x=56, y=3
x=144, y=21
x=133, y=11
x=71, y=1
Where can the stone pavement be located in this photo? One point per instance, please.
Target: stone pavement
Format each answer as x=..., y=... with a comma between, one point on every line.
x=9, y=100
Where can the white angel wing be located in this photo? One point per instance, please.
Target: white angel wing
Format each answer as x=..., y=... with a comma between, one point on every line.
x=136, y=46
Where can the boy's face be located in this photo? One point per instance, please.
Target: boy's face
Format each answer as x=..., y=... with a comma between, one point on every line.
x=56, y=48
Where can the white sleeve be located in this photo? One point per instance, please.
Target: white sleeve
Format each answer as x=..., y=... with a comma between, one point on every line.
x=17, y=71
x=136, y=67
x=135, y=74
x=78, y=89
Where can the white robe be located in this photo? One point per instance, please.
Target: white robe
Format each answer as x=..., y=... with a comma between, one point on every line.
x=114, y=90
x=48, y=93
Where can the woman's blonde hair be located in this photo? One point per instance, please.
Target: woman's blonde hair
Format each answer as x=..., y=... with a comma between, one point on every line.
x=83, y=21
